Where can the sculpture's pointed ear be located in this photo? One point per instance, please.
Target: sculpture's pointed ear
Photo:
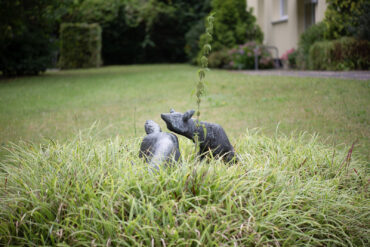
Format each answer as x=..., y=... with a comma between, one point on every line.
x=187, y=115
x=172, y=110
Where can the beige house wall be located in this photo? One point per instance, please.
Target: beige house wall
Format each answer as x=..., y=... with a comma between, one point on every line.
x=283, y=31
x=320, y=10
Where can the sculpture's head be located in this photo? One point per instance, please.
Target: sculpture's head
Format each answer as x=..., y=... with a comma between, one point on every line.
x=177, y=121
x=152, y=127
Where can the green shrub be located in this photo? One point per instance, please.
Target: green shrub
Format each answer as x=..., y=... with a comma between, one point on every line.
x=243, y=57
x=219, y=59
x=319, y=55
x=234, y=25
x=292, y=58
x=27, y=54
x=343, y=54
x=80, y=45
x=26, y=41
x=309, y=37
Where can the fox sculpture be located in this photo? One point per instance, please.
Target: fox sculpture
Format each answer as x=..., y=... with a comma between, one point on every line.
x=211, y=137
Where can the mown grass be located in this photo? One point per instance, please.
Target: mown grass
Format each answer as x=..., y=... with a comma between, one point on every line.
x=58, y=104
x=286, y=191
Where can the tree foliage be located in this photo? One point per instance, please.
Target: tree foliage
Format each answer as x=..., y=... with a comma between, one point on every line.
x=362, y=30
x=134, y=31
x=25, y=42
x=196, y=30
x=344, y=17
x=138, y=31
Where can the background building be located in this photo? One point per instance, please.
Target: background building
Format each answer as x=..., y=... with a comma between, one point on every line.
x=282, y=21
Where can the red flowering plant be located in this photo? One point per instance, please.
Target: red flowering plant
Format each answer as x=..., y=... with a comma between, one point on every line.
x=286, y=54
x=290, y=57
x=242, y=57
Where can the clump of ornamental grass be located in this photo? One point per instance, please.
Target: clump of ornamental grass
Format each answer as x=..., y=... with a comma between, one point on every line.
x=285, y=191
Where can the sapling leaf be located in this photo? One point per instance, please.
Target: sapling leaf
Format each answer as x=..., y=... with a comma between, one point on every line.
x=211, y=18
x=204, y=131
x=204, y=61
x=201, y=74
x=207, y=48
x=209, y=37
x=206, y=83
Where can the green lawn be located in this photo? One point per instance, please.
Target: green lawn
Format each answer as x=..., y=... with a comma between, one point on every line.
x=58, y=104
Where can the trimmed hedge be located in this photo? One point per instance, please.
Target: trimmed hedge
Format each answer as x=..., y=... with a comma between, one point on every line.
x=342, y=54
x=80, y=45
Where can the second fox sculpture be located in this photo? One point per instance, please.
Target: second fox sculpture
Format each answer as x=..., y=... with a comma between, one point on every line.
x=211, y=136
x=159, y=148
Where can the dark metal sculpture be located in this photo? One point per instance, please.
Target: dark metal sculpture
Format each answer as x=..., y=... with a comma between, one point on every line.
x=159, y=148
x=212, y=137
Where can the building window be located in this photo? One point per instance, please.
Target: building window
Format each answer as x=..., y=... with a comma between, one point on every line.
x=283, y=8
x=280, y=11
x=309, y=13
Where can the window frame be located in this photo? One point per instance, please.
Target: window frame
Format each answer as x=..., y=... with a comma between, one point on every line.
x=283, y=7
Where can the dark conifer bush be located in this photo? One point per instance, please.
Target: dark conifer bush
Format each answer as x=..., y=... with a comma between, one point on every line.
x=26, y=41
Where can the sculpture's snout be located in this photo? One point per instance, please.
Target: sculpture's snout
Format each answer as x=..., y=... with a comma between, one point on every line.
x=165, y=117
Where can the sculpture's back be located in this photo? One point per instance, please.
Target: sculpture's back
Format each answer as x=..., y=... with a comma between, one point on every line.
x=159, y=148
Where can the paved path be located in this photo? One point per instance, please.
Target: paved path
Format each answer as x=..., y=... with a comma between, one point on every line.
x=355, y=75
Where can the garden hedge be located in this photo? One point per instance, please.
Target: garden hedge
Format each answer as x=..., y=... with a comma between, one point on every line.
x=80, y=45
x=342, y=54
